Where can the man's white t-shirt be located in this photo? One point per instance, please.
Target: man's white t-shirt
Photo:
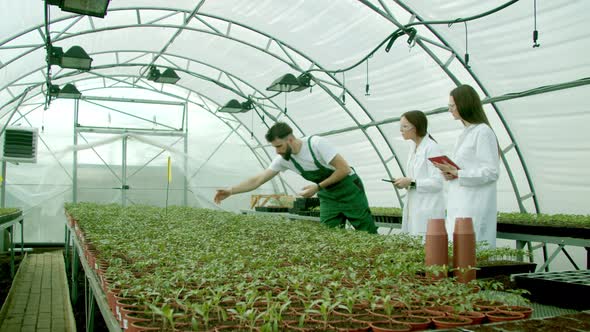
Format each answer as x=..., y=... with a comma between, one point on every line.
x=323, y=151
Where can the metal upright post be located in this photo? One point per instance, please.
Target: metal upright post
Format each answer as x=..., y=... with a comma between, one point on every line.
x=11, y=230
x=74, y=292
x=124, y=172
x=4, y=234
x=185, y=195
x=90, y=322
x=66, y=245
x=75, y=165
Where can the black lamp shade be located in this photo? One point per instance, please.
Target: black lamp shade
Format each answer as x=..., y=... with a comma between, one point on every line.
x=285, y=83
x=168, y=76
x=153, y=74
x=97, y=8
x=53, y=90
x=69, y=91
x=304, y=82
x=54, y=55
x=234, y=106
x=289, y=82
x=76, y=58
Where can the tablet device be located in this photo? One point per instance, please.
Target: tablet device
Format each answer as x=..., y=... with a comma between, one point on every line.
x=443, y=159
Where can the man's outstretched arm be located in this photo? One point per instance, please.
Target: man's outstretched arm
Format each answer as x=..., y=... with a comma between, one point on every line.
x=246, y=186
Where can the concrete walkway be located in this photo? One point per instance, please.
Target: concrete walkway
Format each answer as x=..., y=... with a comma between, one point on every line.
x=39, y=297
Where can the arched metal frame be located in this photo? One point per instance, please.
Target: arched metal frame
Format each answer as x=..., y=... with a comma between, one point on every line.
x=154, y=89
x=386, y=13
x=282, y=46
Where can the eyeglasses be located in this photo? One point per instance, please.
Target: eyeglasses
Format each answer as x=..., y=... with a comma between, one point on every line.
x=452, y=106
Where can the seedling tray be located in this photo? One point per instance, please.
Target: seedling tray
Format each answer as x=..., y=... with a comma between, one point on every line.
x=387, y=219
x=565, y=289
x=504, y=268
x=271, y=209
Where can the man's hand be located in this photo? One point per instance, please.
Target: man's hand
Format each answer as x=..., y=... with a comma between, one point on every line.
x=221, y=194
x=309, y=191
x=402, y=183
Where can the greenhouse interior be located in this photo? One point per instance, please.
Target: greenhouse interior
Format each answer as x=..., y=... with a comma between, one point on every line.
x=249, y=165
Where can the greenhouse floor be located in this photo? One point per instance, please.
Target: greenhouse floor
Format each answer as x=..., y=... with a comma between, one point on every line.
x=39, y=297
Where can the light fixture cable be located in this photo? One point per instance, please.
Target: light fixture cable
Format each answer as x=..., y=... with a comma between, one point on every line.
x=406, y=29
x=535, y=31
x=466, y=47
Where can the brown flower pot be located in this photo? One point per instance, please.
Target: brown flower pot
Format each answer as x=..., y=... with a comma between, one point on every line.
x=436, y=245
x=426, y=313
x=447, y=322
x=501, y=316
x=131, y=317
x=417, y=323
x=370, y=317
x=141, y=326
x=487, y=305
x=526, y=311
x=389, y=326
x=475, y=316
x=464, y=250
x=350, y=326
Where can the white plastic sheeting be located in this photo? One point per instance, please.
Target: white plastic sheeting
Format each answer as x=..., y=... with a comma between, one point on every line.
x=235, y=48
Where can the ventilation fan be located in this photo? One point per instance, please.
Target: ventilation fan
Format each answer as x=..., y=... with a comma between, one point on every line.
x=19, y=144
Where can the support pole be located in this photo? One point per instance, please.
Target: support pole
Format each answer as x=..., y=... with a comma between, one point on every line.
x=74, y=290
x=4, y=235
x=124, y=172
x=75, y=164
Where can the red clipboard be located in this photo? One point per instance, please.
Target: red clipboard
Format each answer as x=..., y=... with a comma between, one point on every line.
x=442, y=160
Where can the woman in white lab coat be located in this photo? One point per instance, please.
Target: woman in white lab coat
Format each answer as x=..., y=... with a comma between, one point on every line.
x=424, y=199
x=472, y=188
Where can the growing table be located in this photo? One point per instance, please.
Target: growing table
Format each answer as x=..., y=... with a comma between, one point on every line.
x=8, y=221
x=94, y=293
x=524, y=235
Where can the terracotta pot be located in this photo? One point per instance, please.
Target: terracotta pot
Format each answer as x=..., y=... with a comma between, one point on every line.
x=526, y=311
x=110, y=294
x=501, y=316
x=436, y=245
x=425, y=313
x=370, y=317
x=446, y=309
x=308, y=325
x=447, y=322
x=141, y=326
x=464, y=250
x=417, y=323
x=475, y=316
x=130, y=317
x=389, y=326
x=487, y=306
x=380, y=311
x=121, y=302
x=350, y=326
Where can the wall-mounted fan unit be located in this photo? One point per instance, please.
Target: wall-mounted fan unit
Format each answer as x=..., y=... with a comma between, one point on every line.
x=19, y=144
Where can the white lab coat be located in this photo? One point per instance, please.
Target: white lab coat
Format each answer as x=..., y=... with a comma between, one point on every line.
x=473, y=194
x=427, y=200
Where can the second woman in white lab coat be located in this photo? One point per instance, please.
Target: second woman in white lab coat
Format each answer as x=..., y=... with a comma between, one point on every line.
x=472, y=188
x=424, y=199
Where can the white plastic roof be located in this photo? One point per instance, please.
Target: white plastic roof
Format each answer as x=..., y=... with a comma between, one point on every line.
x=231, y=49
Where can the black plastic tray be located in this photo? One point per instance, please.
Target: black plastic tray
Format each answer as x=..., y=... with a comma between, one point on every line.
x=565, y=289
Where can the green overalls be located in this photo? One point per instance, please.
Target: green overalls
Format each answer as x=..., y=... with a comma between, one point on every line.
x=340, y=201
